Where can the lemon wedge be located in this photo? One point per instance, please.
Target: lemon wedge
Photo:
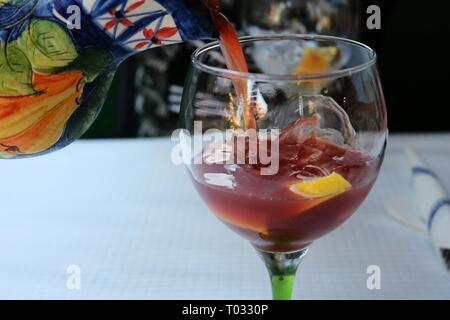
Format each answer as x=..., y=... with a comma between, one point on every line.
x=316, y=60
x=326, y=187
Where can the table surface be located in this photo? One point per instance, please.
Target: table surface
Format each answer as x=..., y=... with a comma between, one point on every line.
x=132, y=223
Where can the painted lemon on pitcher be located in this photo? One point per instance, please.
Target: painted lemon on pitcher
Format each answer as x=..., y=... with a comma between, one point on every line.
x=37, y=97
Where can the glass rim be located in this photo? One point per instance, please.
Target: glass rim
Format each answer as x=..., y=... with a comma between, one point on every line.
x=227, y=73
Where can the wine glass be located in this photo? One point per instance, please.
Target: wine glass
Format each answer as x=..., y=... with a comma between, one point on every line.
x=329, y=17
x=286, y=153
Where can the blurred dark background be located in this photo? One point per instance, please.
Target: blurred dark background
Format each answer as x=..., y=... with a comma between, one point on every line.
x=414, y=59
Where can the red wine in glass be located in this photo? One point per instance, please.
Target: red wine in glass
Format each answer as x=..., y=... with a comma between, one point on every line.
x=268, y=212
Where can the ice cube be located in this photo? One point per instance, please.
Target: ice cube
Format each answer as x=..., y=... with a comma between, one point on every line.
x=220, y=180
x=218, y=153
x=333, y=124
x=319, y=115
x=279, y=58
x=231, y=168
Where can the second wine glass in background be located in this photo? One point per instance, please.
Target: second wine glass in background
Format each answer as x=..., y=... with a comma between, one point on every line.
x=328, y=17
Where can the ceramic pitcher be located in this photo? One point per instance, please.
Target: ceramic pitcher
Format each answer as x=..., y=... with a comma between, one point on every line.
x=58, y=58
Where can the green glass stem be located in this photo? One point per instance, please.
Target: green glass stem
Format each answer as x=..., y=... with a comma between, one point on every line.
x=282, y=269
x=282, y=287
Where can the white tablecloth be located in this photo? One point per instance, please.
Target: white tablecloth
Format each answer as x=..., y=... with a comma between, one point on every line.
x=134, y=225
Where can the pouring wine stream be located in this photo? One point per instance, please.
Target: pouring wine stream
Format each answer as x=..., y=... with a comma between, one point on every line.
x=234, y=58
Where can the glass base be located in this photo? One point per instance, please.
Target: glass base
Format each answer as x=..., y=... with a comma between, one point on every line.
x=282, y=269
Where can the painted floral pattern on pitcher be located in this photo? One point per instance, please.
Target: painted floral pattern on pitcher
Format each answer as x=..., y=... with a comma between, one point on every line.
x=58, y=58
